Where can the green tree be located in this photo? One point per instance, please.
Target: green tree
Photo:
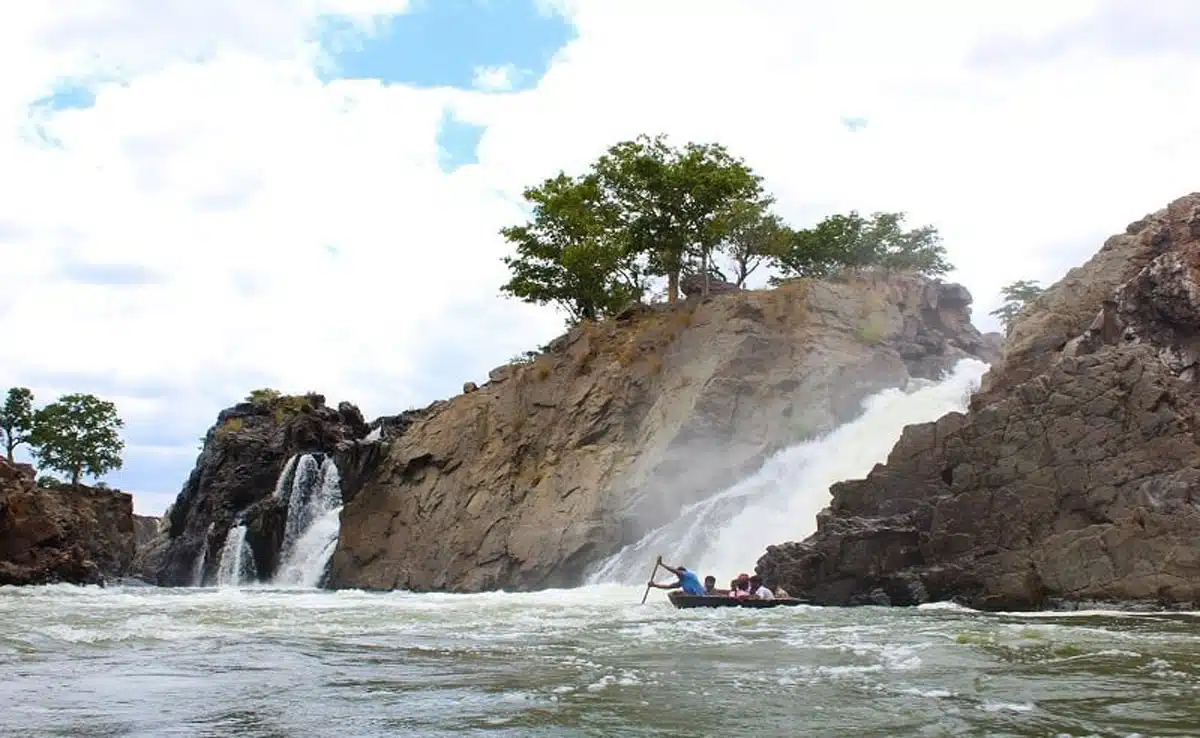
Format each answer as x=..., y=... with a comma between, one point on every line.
x=78, y=434
x=16, y=418
x=1016, y=296
x=841, y=241
x=754, y=237
x=675, y=204
x=572, y=253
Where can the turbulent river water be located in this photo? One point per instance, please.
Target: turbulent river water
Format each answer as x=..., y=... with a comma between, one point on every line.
x=589, y=661
x=284, y=661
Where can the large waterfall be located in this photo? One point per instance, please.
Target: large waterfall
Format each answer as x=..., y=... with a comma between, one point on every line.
x=314, y=503
x=727, y=533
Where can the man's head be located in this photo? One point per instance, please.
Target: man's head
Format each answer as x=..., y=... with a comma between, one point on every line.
x=743, y=577
x=710, y=581
x=755, y=581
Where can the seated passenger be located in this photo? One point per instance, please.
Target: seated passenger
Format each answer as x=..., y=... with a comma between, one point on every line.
x=688, y=581
x=758, y=590
x=710, y=587
x=781, y=593
x=740, y=587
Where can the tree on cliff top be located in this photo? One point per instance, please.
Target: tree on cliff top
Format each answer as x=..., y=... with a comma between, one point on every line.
x=16, y=418
x=78, y=434
x=1016, y=296
x=572, y=253
x=841, y=241
x=754, y=237
x=675, y=204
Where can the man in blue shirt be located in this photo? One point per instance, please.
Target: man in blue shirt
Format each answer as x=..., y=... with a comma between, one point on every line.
x=688, y=581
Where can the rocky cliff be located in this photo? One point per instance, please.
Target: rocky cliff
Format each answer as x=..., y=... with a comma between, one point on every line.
x=553, y=464
x=1074, y=477
x=78, y=535
x=235, y=476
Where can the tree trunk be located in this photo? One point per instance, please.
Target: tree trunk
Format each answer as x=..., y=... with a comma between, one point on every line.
x=672, y=286
x=704, y=266
x=75, y=474
x=10, y=453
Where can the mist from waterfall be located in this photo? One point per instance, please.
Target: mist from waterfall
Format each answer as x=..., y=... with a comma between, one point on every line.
x=728, y=532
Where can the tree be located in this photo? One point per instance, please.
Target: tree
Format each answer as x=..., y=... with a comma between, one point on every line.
x=1016, y=296
x=675, y=204
x=754, y=236
x=16, y=419
x=572, y=252
x=78, y=434
x=856, y=242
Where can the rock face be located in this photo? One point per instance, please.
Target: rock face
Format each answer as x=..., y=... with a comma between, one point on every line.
x=76, y=535
x=234, y=480
x=531, y=478
x=1074, y=477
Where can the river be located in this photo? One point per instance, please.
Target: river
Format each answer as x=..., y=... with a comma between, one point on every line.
x=270, y=662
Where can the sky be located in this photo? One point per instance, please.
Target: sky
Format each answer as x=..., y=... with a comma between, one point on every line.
x=198, y=199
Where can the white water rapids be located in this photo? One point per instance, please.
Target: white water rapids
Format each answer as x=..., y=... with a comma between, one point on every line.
x=727, y=533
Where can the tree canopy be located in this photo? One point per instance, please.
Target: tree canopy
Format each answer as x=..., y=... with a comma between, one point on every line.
x=646, y=209
x=16, y=419
x=1016, y=296
x=78, y=434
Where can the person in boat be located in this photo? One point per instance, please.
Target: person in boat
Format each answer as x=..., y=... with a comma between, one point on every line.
x=760, y=591
x=688, y=581
x=740, y=587
x=710, y=587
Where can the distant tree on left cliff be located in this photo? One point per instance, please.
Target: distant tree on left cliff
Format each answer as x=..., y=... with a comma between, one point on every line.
x=79, y=434
x=852, y=241
x=572, y=253
x=16, y=419
x=1016, y=296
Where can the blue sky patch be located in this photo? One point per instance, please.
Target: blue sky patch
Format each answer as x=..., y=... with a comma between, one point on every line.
x=446, y=43
x=458, y=143
x=67, y=95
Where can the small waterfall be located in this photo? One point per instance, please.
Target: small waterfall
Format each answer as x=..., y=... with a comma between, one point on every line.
x=201, y=559
x=237, y=560
x=285, y=476
x=313, y=522
x=727, y=533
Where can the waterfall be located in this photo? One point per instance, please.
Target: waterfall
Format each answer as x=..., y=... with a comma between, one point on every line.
x=201, y=559
x=285, y=476
x=237, y=560
x=313, y=522
x=728, y=532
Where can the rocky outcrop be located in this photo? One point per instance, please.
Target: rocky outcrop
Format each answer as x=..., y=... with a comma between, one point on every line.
x=1074, y=477
x=236, y=474
x=553, y=464
x=78, y=535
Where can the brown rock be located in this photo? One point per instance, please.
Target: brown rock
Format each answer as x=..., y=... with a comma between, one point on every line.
x=1073, y=478
x=526, y=483
x=78, y=535
x=469, y=387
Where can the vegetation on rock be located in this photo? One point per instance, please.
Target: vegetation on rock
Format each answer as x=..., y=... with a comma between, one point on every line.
x=648, y=210
x=80, y=433
x=77, y=434
x=1016, y=296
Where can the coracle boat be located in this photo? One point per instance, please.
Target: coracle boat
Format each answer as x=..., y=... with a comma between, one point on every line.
x=682, y=601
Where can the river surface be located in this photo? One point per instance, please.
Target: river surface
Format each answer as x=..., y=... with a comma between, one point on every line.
x=585, y=662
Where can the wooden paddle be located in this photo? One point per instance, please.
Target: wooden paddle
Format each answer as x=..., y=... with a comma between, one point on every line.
x=652, y=573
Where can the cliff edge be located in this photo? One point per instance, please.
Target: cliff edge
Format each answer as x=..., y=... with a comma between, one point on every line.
x=556, y=463
x=1074, y=476
x=76, y=535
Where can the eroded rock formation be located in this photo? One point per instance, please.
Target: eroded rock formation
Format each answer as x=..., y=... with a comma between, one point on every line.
x=1074, y=477
x=527, y=480
x=235, y=477
x=77, y=535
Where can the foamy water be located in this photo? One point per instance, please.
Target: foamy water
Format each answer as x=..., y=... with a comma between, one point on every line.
x=590, y=661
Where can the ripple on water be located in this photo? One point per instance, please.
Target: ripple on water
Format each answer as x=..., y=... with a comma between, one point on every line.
x=266, y=662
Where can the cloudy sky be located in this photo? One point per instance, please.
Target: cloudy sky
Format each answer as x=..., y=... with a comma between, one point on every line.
x=202, y=197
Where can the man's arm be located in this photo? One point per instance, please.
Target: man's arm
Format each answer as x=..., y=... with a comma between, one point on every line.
x=656, y=585
x=671, y=569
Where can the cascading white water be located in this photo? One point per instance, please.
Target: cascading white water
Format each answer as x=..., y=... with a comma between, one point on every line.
x=237, y=560
x=313, y=523
x=285, y=476
x=201, y=559
x=728, y=532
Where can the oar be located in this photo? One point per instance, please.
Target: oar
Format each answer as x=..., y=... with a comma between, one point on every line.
x=652, y=573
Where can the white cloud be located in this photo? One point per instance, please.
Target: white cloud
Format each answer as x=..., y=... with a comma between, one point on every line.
x=218, y=159
x=495, y=79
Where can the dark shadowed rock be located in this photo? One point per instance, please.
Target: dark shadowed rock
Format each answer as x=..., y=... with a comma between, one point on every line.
x=1074, y=478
